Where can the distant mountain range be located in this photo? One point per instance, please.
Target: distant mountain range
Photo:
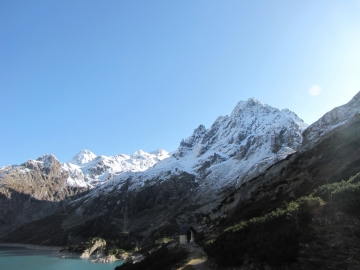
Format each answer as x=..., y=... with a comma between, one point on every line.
x=250, y=139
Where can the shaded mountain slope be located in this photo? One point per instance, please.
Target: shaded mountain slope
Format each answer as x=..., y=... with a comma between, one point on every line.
x=322, y=233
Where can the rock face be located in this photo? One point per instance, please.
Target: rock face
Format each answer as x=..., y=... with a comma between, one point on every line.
x=98, y=243
x=84, y=250
x=32, y=190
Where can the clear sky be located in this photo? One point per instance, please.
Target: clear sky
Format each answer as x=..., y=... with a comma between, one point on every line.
x=117, y=76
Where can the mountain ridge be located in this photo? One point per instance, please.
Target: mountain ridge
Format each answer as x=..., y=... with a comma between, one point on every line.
x=181, y=189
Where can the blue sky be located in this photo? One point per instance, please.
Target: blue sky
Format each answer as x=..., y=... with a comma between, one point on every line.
x=117, y=76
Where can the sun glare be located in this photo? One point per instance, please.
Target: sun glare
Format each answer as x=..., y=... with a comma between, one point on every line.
x=314, y=90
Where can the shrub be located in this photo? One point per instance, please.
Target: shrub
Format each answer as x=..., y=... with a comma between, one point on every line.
x=115, y=251
x=345, y=194
x=272, y=239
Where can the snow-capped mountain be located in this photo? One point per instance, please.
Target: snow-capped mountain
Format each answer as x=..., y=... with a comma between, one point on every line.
x=233, y=150
x=37, y=188
x=207, y=166
x=84, y=156
x=87, y=169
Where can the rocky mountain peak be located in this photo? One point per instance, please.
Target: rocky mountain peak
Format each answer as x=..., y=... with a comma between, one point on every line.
x=45, y=163
x=250, y=122
x=48, y=160
x=84, y=156
x=195, y=138
x=250, y=105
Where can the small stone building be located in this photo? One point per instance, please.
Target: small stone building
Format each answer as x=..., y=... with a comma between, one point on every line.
x=186, y=234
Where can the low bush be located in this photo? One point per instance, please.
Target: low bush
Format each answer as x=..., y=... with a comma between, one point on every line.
x=115, y=251
x=345, y=194
x=272, y=239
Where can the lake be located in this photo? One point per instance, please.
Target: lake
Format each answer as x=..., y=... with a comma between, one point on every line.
x=30, y=259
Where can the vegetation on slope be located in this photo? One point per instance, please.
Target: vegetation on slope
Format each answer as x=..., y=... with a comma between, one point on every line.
x=276, y=238
x=345, y=195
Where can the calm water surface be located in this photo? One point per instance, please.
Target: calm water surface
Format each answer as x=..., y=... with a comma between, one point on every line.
x=30, y=259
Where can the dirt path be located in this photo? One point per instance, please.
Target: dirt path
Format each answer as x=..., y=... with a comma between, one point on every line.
x=198, y=258
x=198, y=264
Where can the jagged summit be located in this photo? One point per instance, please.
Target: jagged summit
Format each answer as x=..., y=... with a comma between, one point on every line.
x=250, y=119
x=84, y=156
x=243, y=105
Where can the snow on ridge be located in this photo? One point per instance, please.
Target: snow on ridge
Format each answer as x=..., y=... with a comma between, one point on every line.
x=84, y=156
x=248, y=119
x=329, y=121
x=103, y=168
x=88, y=170
x=232, y=150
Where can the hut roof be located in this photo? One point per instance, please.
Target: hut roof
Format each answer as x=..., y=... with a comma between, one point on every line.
x=185, y=229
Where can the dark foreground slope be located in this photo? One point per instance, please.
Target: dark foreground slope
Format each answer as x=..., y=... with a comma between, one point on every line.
x=303, y=217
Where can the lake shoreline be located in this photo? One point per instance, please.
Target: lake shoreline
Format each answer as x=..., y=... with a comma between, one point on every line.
x=99, y=258
x=32, y=257
x=29, y=246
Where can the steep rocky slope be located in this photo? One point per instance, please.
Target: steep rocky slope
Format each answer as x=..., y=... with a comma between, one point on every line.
x=32, y=190
x=335, y=158
x=37, y=188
